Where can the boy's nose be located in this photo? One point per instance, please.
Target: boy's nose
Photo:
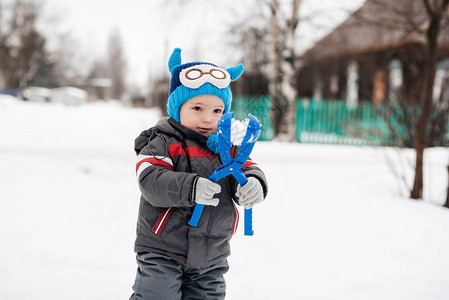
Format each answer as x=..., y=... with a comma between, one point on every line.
x=207, y=118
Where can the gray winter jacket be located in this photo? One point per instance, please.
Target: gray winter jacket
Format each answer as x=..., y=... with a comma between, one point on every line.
x=170, y=159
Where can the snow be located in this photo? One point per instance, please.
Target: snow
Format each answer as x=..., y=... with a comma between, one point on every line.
x=336, y=223
x=37, y=94
x=68, y=95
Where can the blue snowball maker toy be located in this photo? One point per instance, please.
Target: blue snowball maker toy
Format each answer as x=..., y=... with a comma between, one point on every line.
x=243, y=134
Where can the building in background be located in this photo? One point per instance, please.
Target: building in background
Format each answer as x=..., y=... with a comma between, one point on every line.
x=375, y=55
x=96, y=88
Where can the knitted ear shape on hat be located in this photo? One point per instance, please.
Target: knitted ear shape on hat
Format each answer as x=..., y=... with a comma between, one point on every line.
x=198, y=78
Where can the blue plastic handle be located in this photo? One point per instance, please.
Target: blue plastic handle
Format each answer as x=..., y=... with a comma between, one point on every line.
x=248, y=214
x=196, y=215
x=248, y=217
x=249, y=221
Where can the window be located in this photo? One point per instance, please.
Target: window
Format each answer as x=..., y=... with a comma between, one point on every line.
x=395, y=81
x=441, y=85
x=353, y=84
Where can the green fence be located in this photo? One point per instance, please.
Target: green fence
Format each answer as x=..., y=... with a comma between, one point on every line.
x=259, y=107
x=325, y=121
x=328, y=121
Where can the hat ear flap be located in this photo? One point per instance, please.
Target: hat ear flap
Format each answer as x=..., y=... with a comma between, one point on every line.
x=235, y=72
x=175, y=59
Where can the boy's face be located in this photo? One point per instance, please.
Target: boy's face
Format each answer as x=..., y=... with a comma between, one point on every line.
x=201, y=113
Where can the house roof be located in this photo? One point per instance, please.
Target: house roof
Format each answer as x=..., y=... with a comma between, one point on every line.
x=378, y=24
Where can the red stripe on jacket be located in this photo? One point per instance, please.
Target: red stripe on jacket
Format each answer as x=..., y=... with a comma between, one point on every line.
x=176, y=149
x=162, y=219
x=249, y=163
x=199, y=152
x=156, y=162
x=236, y=220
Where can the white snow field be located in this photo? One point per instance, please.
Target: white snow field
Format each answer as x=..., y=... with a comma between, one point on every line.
x=336, y=223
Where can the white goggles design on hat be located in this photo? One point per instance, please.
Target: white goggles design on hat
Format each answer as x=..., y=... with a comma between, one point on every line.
x=195, y=76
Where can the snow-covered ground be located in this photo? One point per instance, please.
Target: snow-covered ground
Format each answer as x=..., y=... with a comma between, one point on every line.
x=334, y=226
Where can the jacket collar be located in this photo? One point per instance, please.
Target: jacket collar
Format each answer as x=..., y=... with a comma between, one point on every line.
x=188, y=133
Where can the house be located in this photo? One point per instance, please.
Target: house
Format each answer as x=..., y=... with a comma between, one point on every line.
x=375, y=55
x=96, y=88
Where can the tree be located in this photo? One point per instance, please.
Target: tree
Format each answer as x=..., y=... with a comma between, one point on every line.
x=22, y=46
x=425, y=20
x=116, y=64
x=437, y=13
x=282, y=72
x=447, y=191
x=67, y=60
x=110, y=70
x=98, y=69
x=250, y=36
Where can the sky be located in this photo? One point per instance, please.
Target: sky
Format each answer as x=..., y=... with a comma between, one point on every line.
x=151, y=29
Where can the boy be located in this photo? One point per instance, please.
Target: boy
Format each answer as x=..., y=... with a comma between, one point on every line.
x=175, y=158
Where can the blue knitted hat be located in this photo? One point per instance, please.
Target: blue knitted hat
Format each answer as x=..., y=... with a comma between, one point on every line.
x=198, y=78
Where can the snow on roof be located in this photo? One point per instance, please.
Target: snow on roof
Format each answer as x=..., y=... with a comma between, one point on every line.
x=374, y=26
x=68, y=95
x=70, y=91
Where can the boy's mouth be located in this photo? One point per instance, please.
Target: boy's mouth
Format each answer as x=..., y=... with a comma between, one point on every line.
x=203, y=130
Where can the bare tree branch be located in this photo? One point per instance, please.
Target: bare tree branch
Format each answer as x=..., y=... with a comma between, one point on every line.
x=398, y=17
x=428, y=7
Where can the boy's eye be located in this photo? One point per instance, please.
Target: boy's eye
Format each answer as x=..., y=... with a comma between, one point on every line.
x=218, y=110
x=197, y=108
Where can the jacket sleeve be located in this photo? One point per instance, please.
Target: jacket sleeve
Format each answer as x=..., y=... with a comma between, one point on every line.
x=159, y=184
x=251, y=169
